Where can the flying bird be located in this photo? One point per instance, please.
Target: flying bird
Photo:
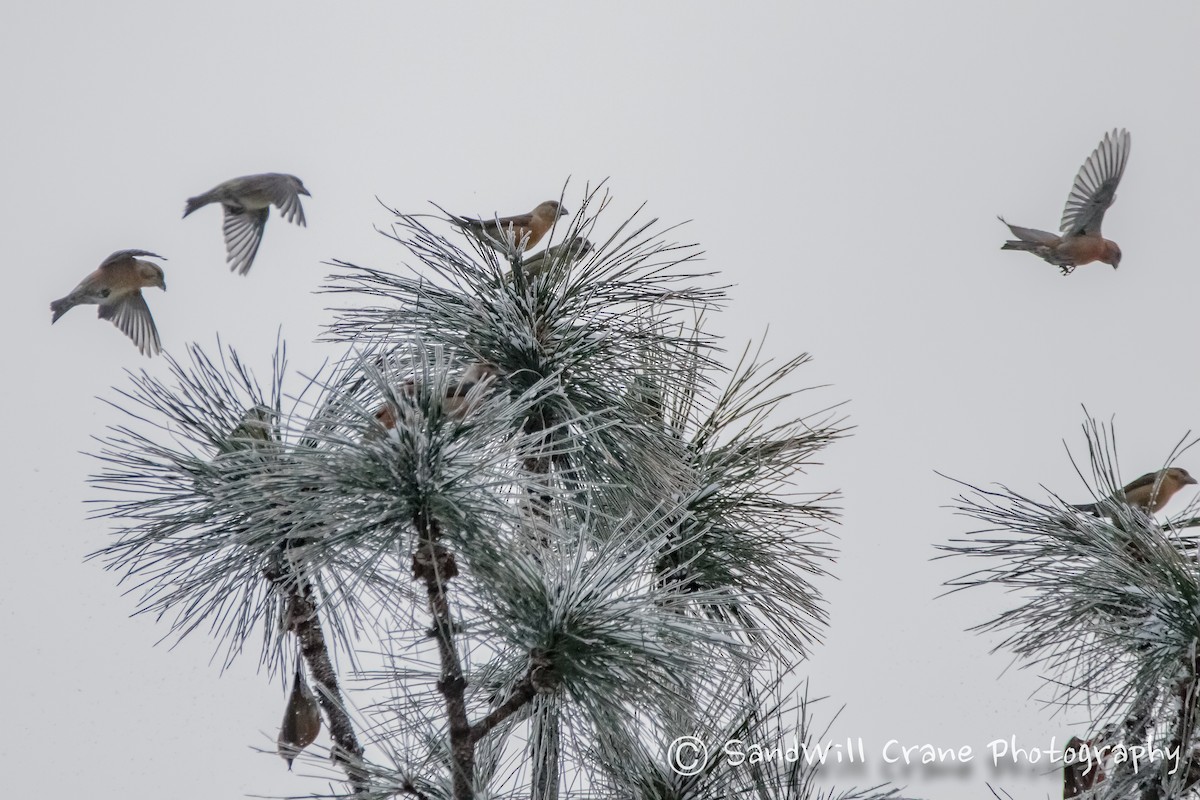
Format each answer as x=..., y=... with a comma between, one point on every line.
x=116, y=287
x=520, y=231
x=1094, y=190
x=301, y=719
x=567, y=252
x=1148, y=493
x=247, y=202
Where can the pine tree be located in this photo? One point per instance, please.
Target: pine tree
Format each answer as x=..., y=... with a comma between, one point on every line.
x=1107, y=608
x=570, y=534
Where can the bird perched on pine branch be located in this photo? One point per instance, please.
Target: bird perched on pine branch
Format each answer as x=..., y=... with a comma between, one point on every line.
x=1081, y=774
x=301, y=719
x=567, y=252
x=116, y=287
x=247, y=202
x=1149, y=493
x=521, y=231
x=1094, y=190
x=460, y=399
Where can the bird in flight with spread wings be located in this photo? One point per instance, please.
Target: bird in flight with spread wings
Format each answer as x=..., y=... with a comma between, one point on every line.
x=1094, y=190
x=247, y=201
x=116, y=287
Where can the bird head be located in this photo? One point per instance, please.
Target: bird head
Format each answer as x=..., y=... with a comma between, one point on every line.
x=1180, y=476
x=152, y=274
x=255, y=425
x=551, y=209
x=579, y=247
x=300, y=186
x=1112, y=254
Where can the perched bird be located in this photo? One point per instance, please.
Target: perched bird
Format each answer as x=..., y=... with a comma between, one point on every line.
x=460, y=399
x=254, y=430
x=1082, y=773
x=523, y=230
x=1148, y=493
x=247, y=201
x=301, y=719
x=116, y=287
x=564, y=252
x=1094, y=190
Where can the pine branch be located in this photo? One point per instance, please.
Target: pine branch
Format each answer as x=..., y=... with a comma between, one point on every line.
x=302, y=618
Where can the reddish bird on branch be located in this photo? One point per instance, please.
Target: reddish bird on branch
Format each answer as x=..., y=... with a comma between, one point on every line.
x=1094, y=190
x=522, y=230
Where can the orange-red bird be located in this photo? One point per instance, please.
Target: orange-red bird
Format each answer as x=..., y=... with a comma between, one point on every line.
x=521, y=231
x=116, y=287
x=1150, y=492
x=1094, y=190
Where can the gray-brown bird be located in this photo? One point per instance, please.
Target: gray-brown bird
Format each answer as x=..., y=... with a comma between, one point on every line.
x=520, y=231
x=460, y=399
x=1148, y=493
x=116, y=287
x=1094, y=190
x=254, y=431
x=567, y=252
x=247, y=202
x=301, y=719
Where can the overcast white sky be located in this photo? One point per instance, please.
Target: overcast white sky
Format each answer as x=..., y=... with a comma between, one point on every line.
x=841, y=164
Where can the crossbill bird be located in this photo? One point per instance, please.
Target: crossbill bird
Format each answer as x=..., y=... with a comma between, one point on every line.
x=1075, y=782
x=116, y=287
x=460, y=399
x=567, y=252
x=254, y=431
x=301, y=719
x=247, y=202
x=521, y=231
x=1148, y=493
x=1094, y=190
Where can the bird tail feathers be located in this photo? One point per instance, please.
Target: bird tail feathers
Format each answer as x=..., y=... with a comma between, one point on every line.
x=198, y=201
x=60, y=307
x=467, y=222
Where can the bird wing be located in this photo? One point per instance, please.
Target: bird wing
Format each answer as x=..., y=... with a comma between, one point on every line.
x=1146, y=480
x=285, y=197
x=126, y=255
x=569, y=251
x=501, y=223
x=243, y=233
x=132, y=316
x=517, y=221
x=1095, y=186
